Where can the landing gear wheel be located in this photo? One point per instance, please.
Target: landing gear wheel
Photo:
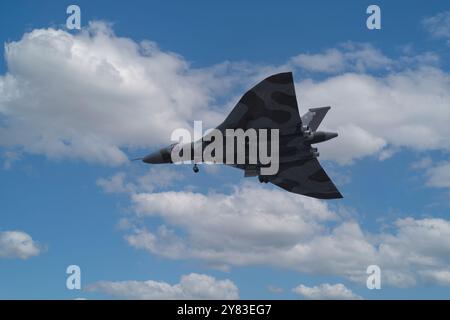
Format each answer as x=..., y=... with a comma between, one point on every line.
x=195, y=168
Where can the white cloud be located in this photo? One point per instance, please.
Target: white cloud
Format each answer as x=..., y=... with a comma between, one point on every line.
x=439, y=175
x=275, y=289
x=423, y=163
x=18, y=244
x=407, y=108
x=436, y=174
x=258, y=226
x=157, y=178
x=354, y=143
x=91, y=95
x=438, y=25
x=439, y=276
x=326, y=291
x=10, y=157
x=85, y=96
x=248, y=215
x=154, y=178
x=331, y=61
x=116, y=184
x=386, y=153
x=192, y=286
x=350, y=57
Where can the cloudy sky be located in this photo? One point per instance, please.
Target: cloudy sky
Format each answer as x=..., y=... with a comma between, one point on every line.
x=76, y=106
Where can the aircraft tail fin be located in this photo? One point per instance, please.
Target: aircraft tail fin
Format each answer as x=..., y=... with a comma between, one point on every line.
x=314, y=117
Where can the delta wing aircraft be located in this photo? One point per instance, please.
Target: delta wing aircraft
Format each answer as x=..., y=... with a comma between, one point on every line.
x=271, y=105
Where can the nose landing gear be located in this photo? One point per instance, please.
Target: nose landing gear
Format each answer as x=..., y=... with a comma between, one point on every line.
x=195, y=168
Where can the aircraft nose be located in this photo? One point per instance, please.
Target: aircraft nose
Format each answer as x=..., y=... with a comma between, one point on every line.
x=153, y=158
x=161, y=156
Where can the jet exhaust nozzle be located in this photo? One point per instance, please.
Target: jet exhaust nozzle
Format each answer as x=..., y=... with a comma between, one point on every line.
x=320, y=136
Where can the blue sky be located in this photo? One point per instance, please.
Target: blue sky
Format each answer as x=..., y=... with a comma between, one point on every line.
x=70, y=122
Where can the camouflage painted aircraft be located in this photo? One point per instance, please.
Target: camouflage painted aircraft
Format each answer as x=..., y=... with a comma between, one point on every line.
x=272, y=104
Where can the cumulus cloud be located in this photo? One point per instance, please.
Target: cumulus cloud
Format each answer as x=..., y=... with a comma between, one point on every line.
x=275, y=289
x=439, y=175
x=350, y=57
x=18, y=244
x=436, y=174
x=422, y=163
x=155, y=178
x=92, y=95
x=218, y=224
x=88, y=95
x=9, y=158
x=403, y=109
x=326, y=291
x=440, y=276
x=192, y=286
x=257, y=226
x=438, y=25
x=116, y=184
